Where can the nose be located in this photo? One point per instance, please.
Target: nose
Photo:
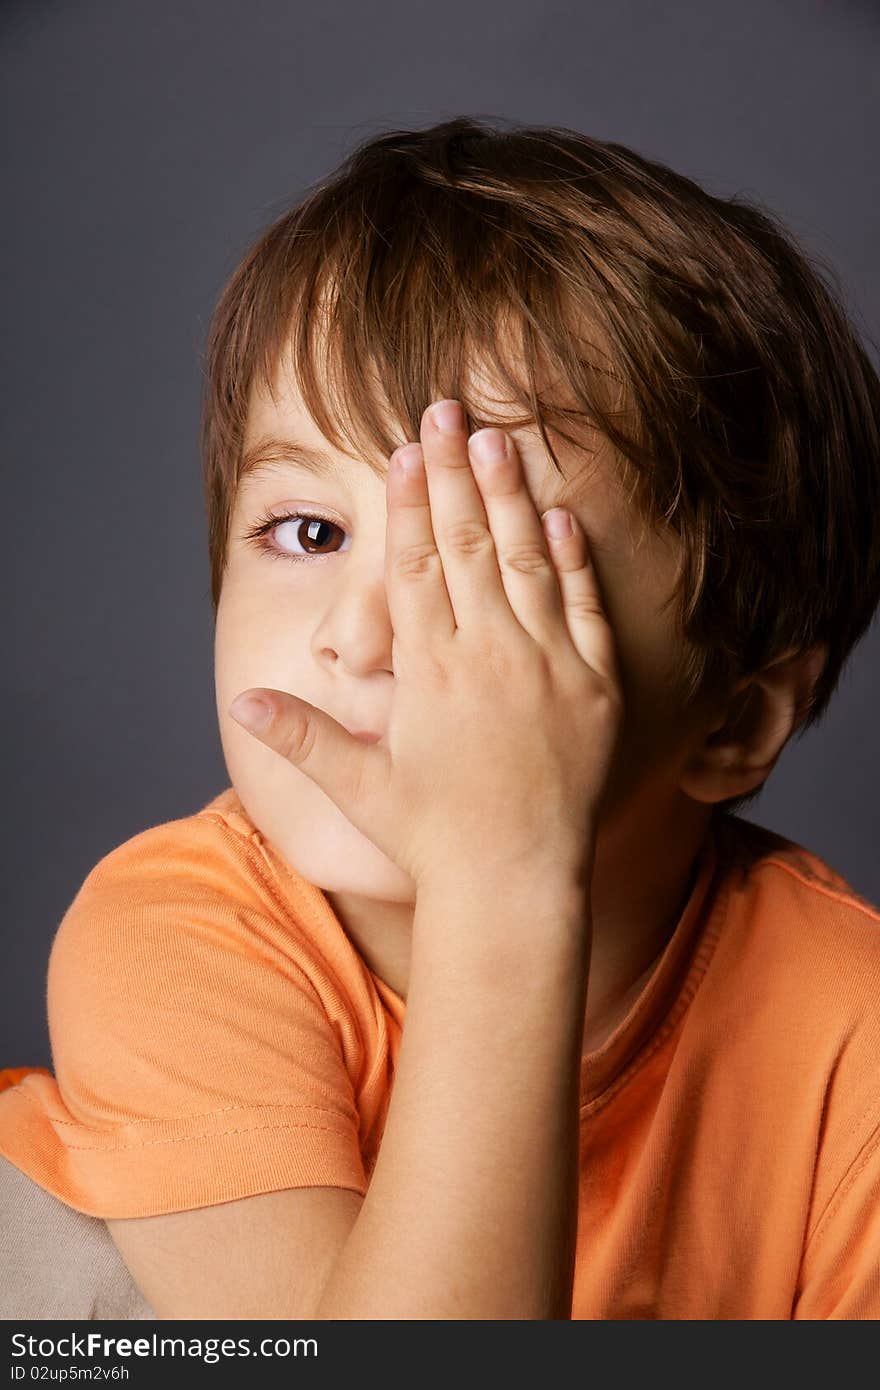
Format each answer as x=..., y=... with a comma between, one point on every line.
x=356, y=626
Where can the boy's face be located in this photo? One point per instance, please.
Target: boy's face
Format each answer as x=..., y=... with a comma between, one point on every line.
x=319, y=627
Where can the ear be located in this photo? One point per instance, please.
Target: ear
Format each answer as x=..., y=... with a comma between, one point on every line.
x=738, y=749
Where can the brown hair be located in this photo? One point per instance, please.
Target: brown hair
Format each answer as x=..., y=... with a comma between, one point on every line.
x=691, y=331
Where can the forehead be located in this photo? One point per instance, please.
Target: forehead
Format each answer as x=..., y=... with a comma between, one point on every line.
x=281, y=438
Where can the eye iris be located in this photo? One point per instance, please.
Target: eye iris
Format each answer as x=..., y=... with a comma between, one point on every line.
x=314, y=534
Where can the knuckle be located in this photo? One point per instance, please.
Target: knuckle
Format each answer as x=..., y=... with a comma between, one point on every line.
x=528, y=558
x=297, y=741
x=509, y=660
x=499, y=664
x=434, y=672
x=584, y=606
x=352, y=783
x=467, y=538
x=607, y=699
x=414, y=561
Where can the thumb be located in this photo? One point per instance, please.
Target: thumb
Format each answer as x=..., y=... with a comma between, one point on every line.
x=353, y=774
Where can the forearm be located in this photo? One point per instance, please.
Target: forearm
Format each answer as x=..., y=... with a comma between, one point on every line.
x=472, y=1206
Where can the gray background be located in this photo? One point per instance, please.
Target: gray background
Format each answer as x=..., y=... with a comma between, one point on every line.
x=145, y=146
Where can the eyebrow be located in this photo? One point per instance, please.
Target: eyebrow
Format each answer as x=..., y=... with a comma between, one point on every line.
x=274, y=454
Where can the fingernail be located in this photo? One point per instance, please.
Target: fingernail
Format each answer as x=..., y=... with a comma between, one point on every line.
x=488, y=444
x=557, y=523
x=448, y=416
x=251, y=711
x=409, y=458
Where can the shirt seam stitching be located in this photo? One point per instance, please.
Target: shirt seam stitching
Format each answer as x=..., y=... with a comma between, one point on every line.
x=846, y=1182
x=815, y=885
x=263, y=867
x=195, y=1138
x=263, y=872
x=172, y=1119
x=678, y=1007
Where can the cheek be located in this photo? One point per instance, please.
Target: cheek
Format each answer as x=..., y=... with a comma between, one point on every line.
x=258, y=639
x=257, y=642
x=652, y=727
x=649, y=653
x=235, y=665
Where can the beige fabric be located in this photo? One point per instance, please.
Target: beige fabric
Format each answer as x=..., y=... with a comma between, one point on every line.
x=56, y=1262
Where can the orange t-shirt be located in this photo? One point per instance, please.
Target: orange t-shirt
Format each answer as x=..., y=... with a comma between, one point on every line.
x=215, y=1034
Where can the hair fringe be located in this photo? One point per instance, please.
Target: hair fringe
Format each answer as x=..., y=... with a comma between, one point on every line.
x=693, y=335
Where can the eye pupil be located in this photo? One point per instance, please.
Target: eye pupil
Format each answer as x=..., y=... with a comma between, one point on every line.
x=313, y=531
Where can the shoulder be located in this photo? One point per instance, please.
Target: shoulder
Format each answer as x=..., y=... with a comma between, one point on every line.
x=202, y=1047
x=214, y=847
x=198, y=884
x=186, y=918
x=808, y=940
x=796, y=986
x=181, y=970
x=784, y=897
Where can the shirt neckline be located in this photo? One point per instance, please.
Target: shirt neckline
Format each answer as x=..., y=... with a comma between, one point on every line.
x=655, y=1010
x=668, y=989
x=664, y=996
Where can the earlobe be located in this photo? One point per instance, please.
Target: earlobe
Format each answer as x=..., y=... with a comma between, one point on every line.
x=739, y=748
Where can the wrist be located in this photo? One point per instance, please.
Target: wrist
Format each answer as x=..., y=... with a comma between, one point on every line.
x=522, y=907
x=536, y=884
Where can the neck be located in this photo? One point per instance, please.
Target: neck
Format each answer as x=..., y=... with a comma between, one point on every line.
x=644, y=871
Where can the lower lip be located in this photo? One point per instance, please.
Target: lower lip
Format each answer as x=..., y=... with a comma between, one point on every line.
x=367, y=738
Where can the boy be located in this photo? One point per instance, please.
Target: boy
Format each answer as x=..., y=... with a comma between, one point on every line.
x=636, y=1077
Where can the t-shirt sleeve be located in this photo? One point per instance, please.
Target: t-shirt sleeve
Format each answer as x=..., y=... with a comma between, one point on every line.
x=194, y=1057
x=841, y=1266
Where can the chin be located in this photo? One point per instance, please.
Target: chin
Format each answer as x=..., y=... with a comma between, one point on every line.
x=364, y=872
x=323, y=847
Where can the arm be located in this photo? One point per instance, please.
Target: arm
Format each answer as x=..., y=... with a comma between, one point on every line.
x=472, y=1207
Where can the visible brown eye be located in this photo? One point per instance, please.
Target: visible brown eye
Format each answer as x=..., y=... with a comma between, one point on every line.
x=315, y=533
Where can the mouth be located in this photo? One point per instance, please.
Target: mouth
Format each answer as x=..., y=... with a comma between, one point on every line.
x=364, y=736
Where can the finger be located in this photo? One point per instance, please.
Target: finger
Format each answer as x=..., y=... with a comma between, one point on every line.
x=582, y=604
x=525, y=563
x=354, y=775
x=418, y=600
x=461, y=527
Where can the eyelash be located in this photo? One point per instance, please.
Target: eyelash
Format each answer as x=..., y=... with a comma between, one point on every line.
x=267, y=523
